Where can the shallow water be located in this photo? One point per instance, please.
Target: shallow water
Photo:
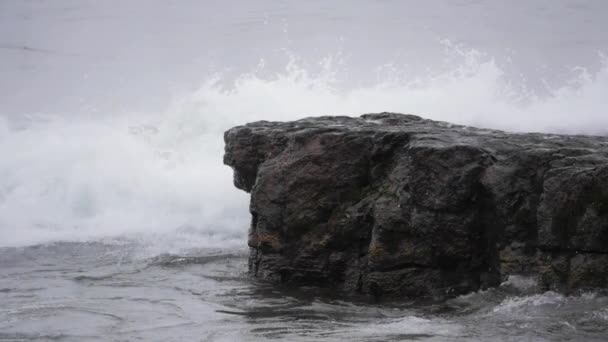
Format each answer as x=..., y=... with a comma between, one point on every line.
x=118, y=292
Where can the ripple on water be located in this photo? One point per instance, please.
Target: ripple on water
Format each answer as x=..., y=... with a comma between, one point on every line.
x=206, y=295
x=61, y=321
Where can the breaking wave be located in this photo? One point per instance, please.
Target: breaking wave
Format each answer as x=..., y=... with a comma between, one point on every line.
x=159, y=176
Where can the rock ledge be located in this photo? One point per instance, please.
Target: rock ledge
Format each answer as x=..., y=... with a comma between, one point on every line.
x=396, y=205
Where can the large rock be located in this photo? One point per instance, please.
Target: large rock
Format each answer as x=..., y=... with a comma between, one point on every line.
x=395, y=205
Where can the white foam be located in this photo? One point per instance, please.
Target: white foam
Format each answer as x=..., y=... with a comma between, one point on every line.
x=513, y=305
x=162, y=173
x=408, y=325
x=522, y=283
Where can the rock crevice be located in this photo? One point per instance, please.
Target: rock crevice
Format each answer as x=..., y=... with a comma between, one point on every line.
x=396, y=205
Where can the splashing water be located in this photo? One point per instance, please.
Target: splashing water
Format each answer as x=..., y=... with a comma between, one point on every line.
x=159, y=176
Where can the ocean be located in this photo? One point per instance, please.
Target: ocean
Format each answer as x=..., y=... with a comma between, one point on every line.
x=119, y=222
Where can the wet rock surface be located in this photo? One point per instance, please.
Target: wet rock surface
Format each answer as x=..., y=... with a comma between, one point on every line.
x=395, y=205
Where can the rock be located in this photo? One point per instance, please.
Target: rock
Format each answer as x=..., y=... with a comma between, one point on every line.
x=393, y=205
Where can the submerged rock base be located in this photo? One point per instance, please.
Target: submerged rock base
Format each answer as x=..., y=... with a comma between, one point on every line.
x=396, y=205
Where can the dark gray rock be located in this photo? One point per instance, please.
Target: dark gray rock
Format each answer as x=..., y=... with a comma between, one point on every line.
x=395, y=205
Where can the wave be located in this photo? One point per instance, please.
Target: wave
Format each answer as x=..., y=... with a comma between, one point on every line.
x=159, y=176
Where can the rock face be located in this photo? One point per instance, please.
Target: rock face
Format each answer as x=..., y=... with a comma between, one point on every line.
x=396, y=205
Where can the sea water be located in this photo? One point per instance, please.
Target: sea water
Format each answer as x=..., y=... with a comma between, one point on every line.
x=119, y=222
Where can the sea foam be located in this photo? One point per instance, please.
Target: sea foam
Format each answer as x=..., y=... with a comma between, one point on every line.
x=159, y=176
